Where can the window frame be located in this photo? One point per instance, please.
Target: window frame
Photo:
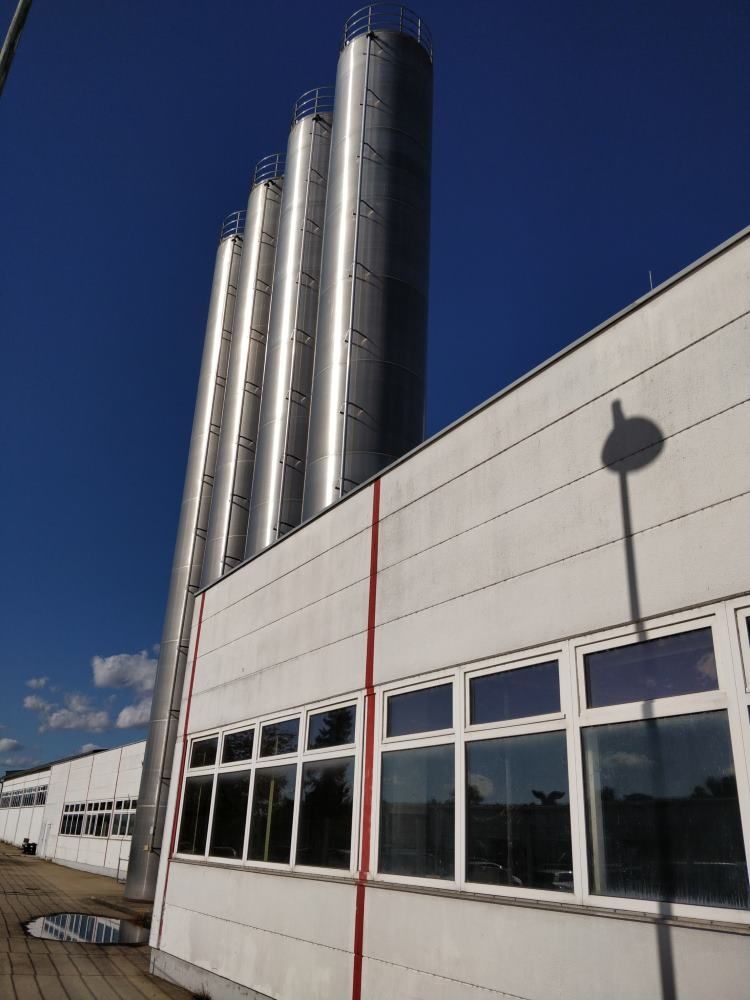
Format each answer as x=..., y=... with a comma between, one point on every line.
x=257, y=763
x=722, y=699
x=412, y=741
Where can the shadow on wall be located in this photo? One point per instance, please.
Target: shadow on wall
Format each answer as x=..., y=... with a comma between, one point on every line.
x=632, y=444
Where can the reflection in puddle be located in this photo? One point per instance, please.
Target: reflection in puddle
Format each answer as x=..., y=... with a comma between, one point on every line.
x=86, y=928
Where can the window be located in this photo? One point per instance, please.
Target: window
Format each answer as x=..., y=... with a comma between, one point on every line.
x=237, y=746
x=230, y=813
x=279, y=738
x=656, y=668
x=417, y=818
x=41, y=795
x=203, y=752
x=517, y=812
x=417, y=786
x=123, y=820
x=273, y=809
x=98, y=818
x=71, y=824
x=661, y=802
x=662, y=811
x=422, y=711
x=249, y=804
x=196, y=805
x=514, y=694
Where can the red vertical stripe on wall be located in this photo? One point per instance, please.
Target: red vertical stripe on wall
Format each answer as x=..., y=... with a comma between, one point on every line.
x=369, y=749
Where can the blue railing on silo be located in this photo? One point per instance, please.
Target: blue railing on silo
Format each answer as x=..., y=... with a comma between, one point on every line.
x=318, y=101
x=269, y=168
x=387, y=17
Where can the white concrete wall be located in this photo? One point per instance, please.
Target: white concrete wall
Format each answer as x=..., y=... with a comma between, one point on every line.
x=503, y=534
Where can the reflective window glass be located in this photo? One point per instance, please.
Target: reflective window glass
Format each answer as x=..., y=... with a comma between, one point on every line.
x=195, y=808
x=273, y=808
x=230, y=813
x=279, y=737
x=518, y=812
x=420, y=711
x=203, y=753
x=655, y=668
x=237, y=746
x=332, y=728
x=662, y=811
x=325, y=820
x=514, y=694
x=417, y=812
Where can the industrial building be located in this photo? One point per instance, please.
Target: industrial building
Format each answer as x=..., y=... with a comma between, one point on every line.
x=79, y=811
x=458, y=718
x=481, y=729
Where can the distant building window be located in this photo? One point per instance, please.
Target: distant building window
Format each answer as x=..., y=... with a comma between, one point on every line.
x=123, y=819
x=98, y=819
x=71, y=824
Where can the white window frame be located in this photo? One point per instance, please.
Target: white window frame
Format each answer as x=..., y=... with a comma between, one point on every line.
x=297, y=758
x=551, y=722
x=430, y=738
x=722, y=699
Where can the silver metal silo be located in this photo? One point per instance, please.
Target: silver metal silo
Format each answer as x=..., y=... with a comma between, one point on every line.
x=369, y=381
x=227, y=527
x=276, y=501
x=187, y=566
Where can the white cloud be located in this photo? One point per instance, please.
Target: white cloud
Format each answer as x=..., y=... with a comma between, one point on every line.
x=36, y=682
x=76, y=712
x=9, y=746
x=134, y=715
x=89, y=747
x=125, y=670
x=35, y=704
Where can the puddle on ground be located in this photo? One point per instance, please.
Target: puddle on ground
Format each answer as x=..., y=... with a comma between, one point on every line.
x=86, y=929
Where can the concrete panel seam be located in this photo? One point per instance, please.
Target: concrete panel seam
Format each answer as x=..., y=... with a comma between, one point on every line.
x=290, y=572
x=561, y=487
x=279, y=663
x=502, y=994
x=290, y=614
x=564, y=416
x=573, y=555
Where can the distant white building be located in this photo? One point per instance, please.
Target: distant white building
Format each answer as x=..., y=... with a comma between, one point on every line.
x=79, y=811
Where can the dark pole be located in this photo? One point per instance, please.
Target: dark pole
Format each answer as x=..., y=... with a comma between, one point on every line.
x=11, y=39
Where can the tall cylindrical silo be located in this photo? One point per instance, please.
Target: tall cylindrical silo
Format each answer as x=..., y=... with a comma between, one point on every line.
x=369, y=382
x=276, y=501
x=187, y=566
x=227, y=528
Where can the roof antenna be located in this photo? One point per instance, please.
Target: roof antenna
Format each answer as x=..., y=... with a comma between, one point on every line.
x=651, y=280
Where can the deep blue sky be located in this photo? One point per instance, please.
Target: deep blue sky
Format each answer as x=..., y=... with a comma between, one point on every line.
x=577, y=145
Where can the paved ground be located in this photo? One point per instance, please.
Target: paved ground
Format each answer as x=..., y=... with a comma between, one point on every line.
x=56, y=970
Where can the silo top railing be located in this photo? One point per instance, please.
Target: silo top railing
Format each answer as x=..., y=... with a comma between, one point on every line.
x=388, y=17
x=318, y=101
x=268, y=168
x=233, y=225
